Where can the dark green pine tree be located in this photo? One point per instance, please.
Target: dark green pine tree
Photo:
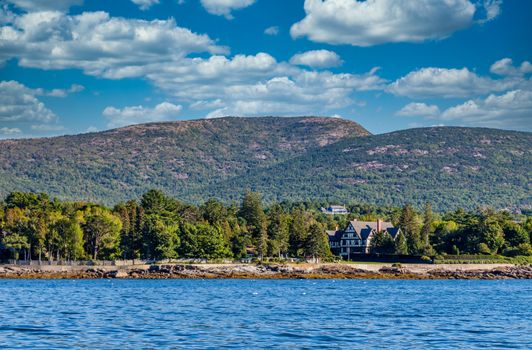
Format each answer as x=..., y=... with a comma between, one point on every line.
x=382, y=243
x=251, y=211
x=317, y=243
x=401, y=247
x=298, y=231
x=426, y=230
x=409, y=226
x=278, y=231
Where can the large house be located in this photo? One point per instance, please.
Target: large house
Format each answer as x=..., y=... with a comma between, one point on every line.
x=335, y=209
x=355, y=239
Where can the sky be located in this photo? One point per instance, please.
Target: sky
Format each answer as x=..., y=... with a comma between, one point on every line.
x=76, y=66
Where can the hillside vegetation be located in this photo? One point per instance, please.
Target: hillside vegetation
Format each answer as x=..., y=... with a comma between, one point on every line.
x=304, y=158
x=448, y=166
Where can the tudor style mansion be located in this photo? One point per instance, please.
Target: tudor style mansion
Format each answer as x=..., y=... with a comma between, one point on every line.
x=355, y=239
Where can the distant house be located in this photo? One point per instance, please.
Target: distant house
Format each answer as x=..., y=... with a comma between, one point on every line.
x=355, y=239
x=335, y=209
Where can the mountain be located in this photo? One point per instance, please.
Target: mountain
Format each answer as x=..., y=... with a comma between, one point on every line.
x=181, y=158
x=450, y=167
x=304, y=158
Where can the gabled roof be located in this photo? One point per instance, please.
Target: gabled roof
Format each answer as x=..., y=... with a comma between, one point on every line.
x=334, y=235
x=364, y=228
x=393, y=231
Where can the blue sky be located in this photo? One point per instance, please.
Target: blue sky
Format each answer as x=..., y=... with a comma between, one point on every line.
x=74, y=66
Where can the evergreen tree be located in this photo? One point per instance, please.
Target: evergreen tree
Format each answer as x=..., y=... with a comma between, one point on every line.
x=409, y=226
x=426, y=230
x=213, y=211
x=317, y=243
x=278, y=231
x=132, y=216
x=251, y=211
x=155, y=202
x=382, y=243
x=401, y=247
x=298, y=231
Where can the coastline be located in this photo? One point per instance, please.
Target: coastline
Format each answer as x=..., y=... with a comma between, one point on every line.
x=272, y=271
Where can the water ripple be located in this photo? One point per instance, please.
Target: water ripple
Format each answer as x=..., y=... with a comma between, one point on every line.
x=258, y=314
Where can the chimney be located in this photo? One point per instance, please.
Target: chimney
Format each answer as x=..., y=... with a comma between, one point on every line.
x=337, y=227
x=379, y=225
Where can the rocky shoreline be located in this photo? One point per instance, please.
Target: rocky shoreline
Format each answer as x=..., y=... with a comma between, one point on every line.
x=276, y=271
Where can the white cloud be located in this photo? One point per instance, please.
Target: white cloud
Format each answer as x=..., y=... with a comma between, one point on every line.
x=304, y=92
x=98, y=44
x=60, y=92
x=447, y=83
x=163, y=54
x=492, y=9
x=145, y=4
x=19, y=104
x=45, y=5
x=274, y=30
x=317, y=59
x=224, y=7
x=416, y=109
x=10, y=131
x=139, y=114
x=92, y=129
x=372, y=22
x=505, y=67
x=510, y=110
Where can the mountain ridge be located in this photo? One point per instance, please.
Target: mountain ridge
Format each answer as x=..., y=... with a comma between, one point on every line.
x=286, y=158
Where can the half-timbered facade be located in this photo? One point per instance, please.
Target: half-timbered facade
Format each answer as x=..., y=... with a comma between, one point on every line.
x=355, y=239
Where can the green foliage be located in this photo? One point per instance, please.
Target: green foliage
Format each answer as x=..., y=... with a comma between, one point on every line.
x=286, y=159
x=71, y=240
x=523, y=249
x=213, y=211
x=102, y=231
x=253, y=214
x=298, y=231
x=203, y=241
x=426, y=230
x=132, y=216
x=15, y=242
x=278, y=231
x=515, y=234
x=491, y=232
x=161, y=237
x=160, y=227
x=484, y=249
x=317, y=243
x=382, y=243
x=410, y=227
x=401, y=246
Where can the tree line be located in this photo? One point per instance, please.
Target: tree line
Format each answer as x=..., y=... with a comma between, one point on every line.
x=35, y=226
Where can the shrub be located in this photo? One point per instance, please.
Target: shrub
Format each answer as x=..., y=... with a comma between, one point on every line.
x=484, y=249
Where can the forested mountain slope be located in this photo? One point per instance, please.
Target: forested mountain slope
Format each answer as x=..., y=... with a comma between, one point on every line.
x=179, y=157
x=304, y=158
x=447, y=166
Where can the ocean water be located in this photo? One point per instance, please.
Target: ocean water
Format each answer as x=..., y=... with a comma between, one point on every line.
x=273, y=314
